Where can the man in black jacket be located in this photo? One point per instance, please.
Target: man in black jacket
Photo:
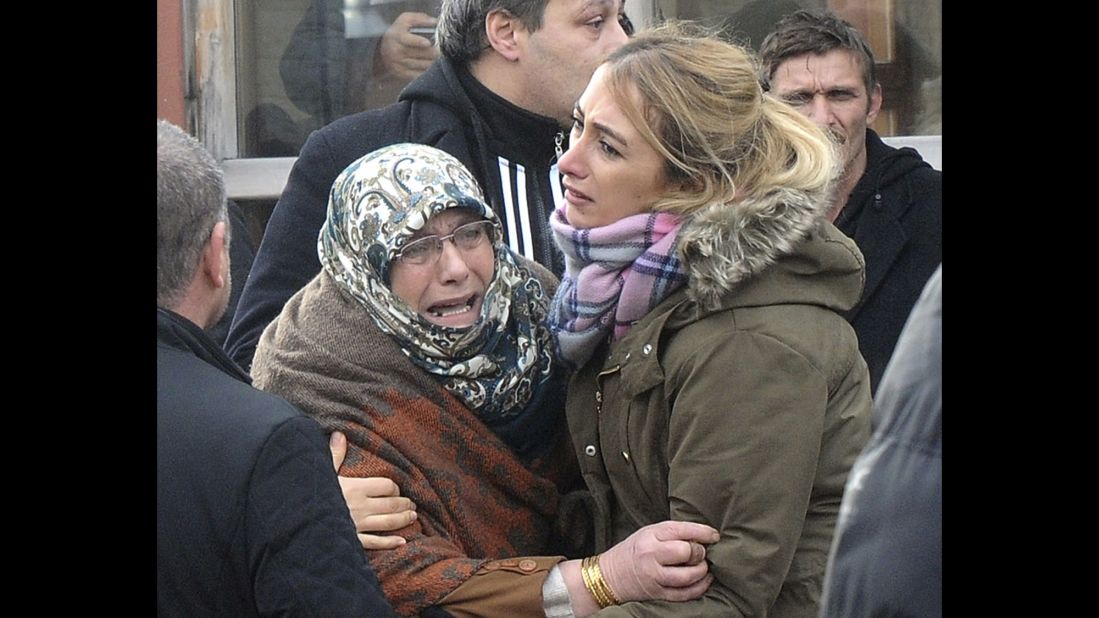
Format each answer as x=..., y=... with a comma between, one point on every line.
x=887, y=199
x=250, y=518
x=498, y=99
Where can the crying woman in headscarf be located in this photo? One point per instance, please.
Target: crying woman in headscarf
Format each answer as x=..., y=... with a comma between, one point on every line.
x=423, y=340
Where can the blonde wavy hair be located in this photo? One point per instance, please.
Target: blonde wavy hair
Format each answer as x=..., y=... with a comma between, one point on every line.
x=703, y=109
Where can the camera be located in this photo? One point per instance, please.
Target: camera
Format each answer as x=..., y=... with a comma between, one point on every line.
x=428, y=33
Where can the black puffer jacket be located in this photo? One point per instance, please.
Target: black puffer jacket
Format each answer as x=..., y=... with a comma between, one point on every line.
x=887, y=556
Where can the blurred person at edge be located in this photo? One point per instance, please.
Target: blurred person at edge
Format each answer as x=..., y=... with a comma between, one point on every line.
x=887, y=557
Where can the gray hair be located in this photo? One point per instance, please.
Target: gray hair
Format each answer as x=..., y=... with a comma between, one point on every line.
x=190, y=201
x=461, y=27
x=814, y=32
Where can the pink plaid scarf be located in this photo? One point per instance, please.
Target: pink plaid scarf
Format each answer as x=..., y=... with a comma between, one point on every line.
x=613, y=276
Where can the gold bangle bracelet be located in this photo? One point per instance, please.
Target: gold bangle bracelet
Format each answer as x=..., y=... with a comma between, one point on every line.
x=600, y=582
x=585, y=572
x=589, y=582
x=596, y=584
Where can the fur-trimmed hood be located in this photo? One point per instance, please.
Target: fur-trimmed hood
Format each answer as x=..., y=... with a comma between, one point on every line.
x=728, y=247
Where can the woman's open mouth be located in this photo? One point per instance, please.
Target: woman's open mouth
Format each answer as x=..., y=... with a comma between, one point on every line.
x=447, y=310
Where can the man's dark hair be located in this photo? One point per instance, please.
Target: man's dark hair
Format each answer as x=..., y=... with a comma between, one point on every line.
x=814, y=32
x=461, y=27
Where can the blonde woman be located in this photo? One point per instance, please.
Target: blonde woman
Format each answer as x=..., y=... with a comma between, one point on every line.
x=717, y=381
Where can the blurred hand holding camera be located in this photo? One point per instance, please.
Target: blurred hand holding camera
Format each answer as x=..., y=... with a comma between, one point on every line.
x=403, y=54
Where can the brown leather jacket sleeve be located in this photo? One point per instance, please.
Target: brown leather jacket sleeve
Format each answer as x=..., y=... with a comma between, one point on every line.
x=509, y=587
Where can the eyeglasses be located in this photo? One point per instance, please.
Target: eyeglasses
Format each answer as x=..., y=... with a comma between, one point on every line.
x=426, y=250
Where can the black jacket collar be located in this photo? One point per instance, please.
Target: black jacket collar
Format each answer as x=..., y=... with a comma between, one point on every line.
x=516, y=133
x=885, y=166
x=176, y=331
x=872, y=215
x=522, y=134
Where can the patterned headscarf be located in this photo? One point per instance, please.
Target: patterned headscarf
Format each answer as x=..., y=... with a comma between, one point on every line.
x=495, y=366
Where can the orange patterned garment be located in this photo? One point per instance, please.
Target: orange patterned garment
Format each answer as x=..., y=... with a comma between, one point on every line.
x=475, y=500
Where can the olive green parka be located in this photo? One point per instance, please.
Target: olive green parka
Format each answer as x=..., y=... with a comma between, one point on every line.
x=741, y=401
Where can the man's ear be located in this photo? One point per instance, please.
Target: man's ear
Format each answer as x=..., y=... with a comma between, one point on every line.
x=504, y=31
x=214, y=256
x=875, y=104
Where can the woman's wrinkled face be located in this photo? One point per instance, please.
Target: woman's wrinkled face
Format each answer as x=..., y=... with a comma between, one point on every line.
x=610, y=171
x=449, y=290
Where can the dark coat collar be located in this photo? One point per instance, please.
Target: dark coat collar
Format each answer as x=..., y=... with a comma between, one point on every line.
x=872, y=215
x=176, y=331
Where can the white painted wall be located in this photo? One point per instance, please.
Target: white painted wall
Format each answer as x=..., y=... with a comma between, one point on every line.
x=930, y=147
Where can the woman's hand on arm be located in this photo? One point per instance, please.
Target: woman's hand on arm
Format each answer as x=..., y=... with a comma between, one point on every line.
x=375, y=503
x=664, y=561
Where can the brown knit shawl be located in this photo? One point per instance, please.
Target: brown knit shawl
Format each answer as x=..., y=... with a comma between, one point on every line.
x=475, y=500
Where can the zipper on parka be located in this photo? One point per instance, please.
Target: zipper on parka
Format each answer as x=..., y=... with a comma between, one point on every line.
x=599, y=386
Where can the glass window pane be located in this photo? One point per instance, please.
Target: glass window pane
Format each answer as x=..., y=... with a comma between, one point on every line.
x=905, y=36
x=303, y=63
